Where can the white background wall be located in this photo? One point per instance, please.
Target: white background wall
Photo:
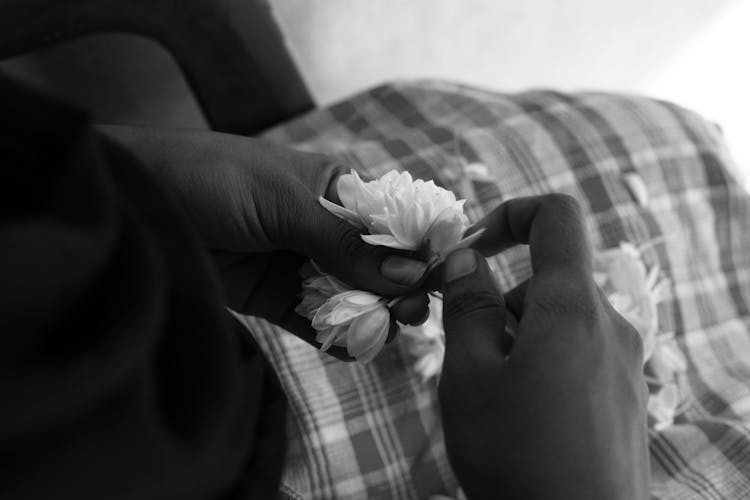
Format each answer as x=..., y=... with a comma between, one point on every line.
x=694, y=52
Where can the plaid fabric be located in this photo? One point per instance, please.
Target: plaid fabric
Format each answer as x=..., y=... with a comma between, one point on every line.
x=374, y=431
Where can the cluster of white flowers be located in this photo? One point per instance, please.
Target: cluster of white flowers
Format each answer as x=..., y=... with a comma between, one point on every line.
x=394, y=211
x=400, y=212
x=634, y=291
x=343, y=317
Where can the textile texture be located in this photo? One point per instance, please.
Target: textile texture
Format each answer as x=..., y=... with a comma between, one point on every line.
x=373, y=431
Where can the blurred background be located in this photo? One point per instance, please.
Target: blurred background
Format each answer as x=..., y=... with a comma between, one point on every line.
x=693, y=52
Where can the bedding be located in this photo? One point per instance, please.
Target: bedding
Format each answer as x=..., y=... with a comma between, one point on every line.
x=373, y=430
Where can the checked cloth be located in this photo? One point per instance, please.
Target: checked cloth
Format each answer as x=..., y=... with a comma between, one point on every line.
x=373, y=431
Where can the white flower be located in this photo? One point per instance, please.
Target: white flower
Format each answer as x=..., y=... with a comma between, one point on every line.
x=426, y=343
x=667, y=363
x=403, y=213
x=394, y=211
x=663, y=406
x=667, y=359
x=317, y=288
x=354, y=319
x=632, y=289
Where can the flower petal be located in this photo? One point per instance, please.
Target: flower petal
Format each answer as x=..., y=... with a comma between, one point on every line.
x=367, y=334
x=398, y=228
x=360, y=298
x=379, y=224
x=391, y=176
x=320, y=320
x=466, y=242
x=311, y=302
x=341, y=212
x=334, y=336
x=385, y=240
x=444, y=232
x=345, y=312
x=478, y=172
x=346, y=187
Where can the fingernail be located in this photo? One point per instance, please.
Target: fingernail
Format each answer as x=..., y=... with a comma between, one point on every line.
x=402, y=270
x=459, y=264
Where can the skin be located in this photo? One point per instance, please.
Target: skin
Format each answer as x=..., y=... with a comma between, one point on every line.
x=562, y=414
x=255, y=205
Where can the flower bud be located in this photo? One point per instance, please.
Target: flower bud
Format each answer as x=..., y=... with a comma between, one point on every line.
x=354, y=319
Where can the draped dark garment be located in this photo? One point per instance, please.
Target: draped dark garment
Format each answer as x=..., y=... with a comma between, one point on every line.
x=121, y=374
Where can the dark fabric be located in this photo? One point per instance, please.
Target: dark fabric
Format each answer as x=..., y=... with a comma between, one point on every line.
x=121, y=374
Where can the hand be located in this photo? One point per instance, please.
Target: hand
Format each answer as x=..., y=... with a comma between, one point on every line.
x=255, y=205
x=564, y=415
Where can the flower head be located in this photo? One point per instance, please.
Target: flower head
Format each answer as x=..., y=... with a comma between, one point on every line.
x=632, y=289
x=400, y=212
x=354, y=319
x=664, y=405
x=667, y=365
x=394, y=211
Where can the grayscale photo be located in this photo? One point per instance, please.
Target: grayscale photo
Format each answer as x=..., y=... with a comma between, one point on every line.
x=374, y=250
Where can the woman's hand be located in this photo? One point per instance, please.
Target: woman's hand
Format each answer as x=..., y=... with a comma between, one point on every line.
x=255, y=204
x=564, y=415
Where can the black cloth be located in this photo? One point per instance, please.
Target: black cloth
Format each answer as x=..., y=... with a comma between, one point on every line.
x=121, y=374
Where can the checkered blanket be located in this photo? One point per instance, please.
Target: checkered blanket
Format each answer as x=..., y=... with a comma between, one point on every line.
x=374, y=431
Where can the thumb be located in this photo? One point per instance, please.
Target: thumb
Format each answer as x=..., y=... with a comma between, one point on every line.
x=338, y=248
x=473, y=315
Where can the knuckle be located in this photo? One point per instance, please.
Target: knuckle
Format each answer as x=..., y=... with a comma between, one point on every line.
x=563, y=203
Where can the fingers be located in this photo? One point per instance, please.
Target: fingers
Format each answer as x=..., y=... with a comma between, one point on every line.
x=514, y=299
x=315, y=171
x=412, y=310
x=552, y=225
x=267, y=285
x=473, y=314
x=302, y=225
x=261, y=284
x=338, y=248
x=286, y=213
